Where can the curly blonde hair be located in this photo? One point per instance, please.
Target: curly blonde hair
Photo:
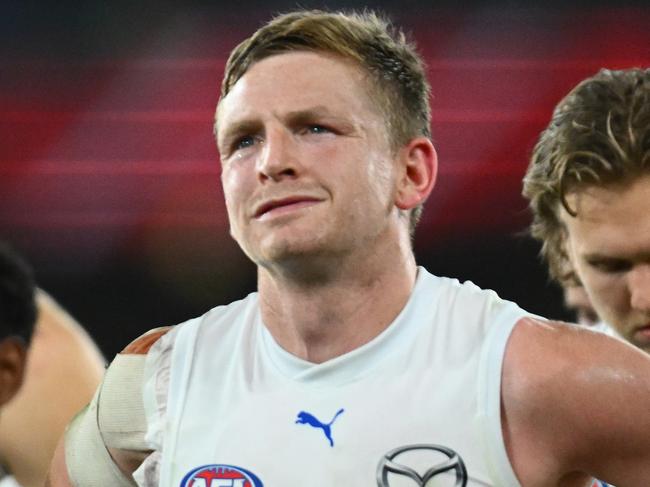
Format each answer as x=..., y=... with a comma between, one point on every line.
x=599, y=134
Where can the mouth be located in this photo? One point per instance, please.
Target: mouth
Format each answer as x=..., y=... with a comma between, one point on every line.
x=642, y=334
x=283, y=205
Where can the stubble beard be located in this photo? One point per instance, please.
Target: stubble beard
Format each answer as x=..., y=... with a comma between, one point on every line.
x=307, y=265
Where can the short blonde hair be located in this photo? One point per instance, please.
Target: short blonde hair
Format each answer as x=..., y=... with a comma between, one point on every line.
x=398, y=82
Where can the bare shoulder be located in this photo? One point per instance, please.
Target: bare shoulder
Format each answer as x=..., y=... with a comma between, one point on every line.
x=58, y=326
x=142, y=344
x=59, y=339
x=578, y=399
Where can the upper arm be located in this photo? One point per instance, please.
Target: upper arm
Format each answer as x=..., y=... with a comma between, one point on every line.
x=575, y=401
x=123, y=399
x=57, y=476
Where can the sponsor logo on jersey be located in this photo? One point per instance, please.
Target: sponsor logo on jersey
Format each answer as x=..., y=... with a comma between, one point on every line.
x=307, y=418
x=406, y=462
x=221, y=476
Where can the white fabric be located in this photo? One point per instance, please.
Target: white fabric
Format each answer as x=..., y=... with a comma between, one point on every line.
x=220, y=391
x=9, y=482
x=121, y=416
x=88, y=461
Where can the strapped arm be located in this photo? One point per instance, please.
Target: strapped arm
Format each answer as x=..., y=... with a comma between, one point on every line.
x=105, y=443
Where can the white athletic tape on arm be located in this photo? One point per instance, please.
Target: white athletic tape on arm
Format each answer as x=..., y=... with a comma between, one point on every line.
x=87, y=459
x=117, y=410
x=122, y=419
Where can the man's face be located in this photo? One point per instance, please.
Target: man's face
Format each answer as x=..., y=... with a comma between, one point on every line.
x=609, y=247
x=307, y=167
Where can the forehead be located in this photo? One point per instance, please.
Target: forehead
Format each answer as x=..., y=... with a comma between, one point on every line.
x=297, y=80
x=611, y=219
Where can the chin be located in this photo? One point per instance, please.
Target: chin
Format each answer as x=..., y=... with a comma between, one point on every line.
x=295, y=243
x=279, y=252
x=302, y=254
x=304, y=260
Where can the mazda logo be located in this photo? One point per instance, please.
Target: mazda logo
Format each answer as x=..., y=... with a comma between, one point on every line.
x=452, y=464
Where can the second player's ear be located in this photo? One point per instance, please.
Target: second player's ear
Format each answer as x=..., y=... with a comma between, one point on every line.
x=12, y=367
x=419, y=168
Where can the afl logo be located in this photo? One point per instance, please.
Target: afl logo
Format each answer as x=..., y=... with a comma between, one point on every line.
x=220, y=476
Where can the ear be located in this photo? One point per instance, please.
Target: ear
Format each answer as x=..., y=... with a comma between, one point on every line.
x=419, y=167
x=13, y=357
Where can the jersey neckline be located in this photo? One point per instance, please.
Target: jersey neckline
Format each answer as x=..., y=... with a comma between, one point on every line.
x=356, y=363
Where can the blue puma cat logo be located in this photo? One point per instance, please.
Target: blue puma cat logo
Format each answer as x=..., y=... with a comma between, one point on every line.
x=307, y=418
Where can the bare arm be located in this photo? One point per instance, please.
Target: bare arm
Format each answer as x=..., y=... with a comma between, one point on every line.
x=104, y=452
x=575, y=404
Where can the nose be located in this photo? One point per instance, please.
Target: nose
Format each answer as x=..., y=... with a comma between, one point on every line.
x=639, y=284
x=278, y=159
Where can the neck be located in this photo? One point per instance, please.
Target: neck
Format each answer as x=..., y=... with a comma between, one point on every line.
x=339, y=306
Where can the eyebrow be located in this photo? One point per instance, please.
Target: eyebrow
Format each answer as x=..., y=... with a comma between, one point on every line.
x=236, y=129
x=314, y=113
x=318, y=110
x=248, y=125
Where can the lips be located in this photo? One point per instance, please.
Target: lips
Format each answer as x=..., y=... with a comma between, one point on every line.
x=644, y=329
x=641, y=335
x=273, y=204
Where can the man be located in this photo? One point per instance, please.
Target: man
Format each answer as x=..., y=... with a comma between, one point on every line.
x=43, y=384
x=64, y=367
x=351, y=365
x=17, y=317
x=589, y=188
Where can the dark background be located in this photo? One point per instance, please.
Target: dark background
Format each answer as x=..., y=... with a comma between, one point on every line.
x=109, y=177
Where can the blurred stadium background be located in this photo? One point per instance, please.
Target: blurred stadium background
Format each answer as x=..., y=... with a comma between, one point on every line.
x=109, y=177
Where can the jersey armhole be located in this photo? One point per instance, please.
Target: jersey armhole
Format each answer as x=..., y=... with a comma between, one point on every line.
x=489, y=395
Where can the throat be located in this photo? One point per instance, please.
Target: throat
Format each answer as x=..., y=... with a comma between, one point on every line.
x=323, y=322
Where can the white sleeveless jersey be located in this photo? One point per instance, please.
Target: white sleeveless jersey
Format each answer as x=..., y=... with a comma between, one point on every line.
x=8, y=482
x=419, y=405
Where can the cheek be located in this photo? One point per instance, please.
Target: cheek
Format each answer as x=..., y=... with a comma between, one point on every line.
x=234, y=189
x=233, y=204
x=607, y=290
x=375, y=171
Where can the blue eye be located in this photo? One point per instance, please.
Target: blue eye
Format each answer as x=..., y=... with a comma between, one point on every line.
x=317, y=129
x=245, y=142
